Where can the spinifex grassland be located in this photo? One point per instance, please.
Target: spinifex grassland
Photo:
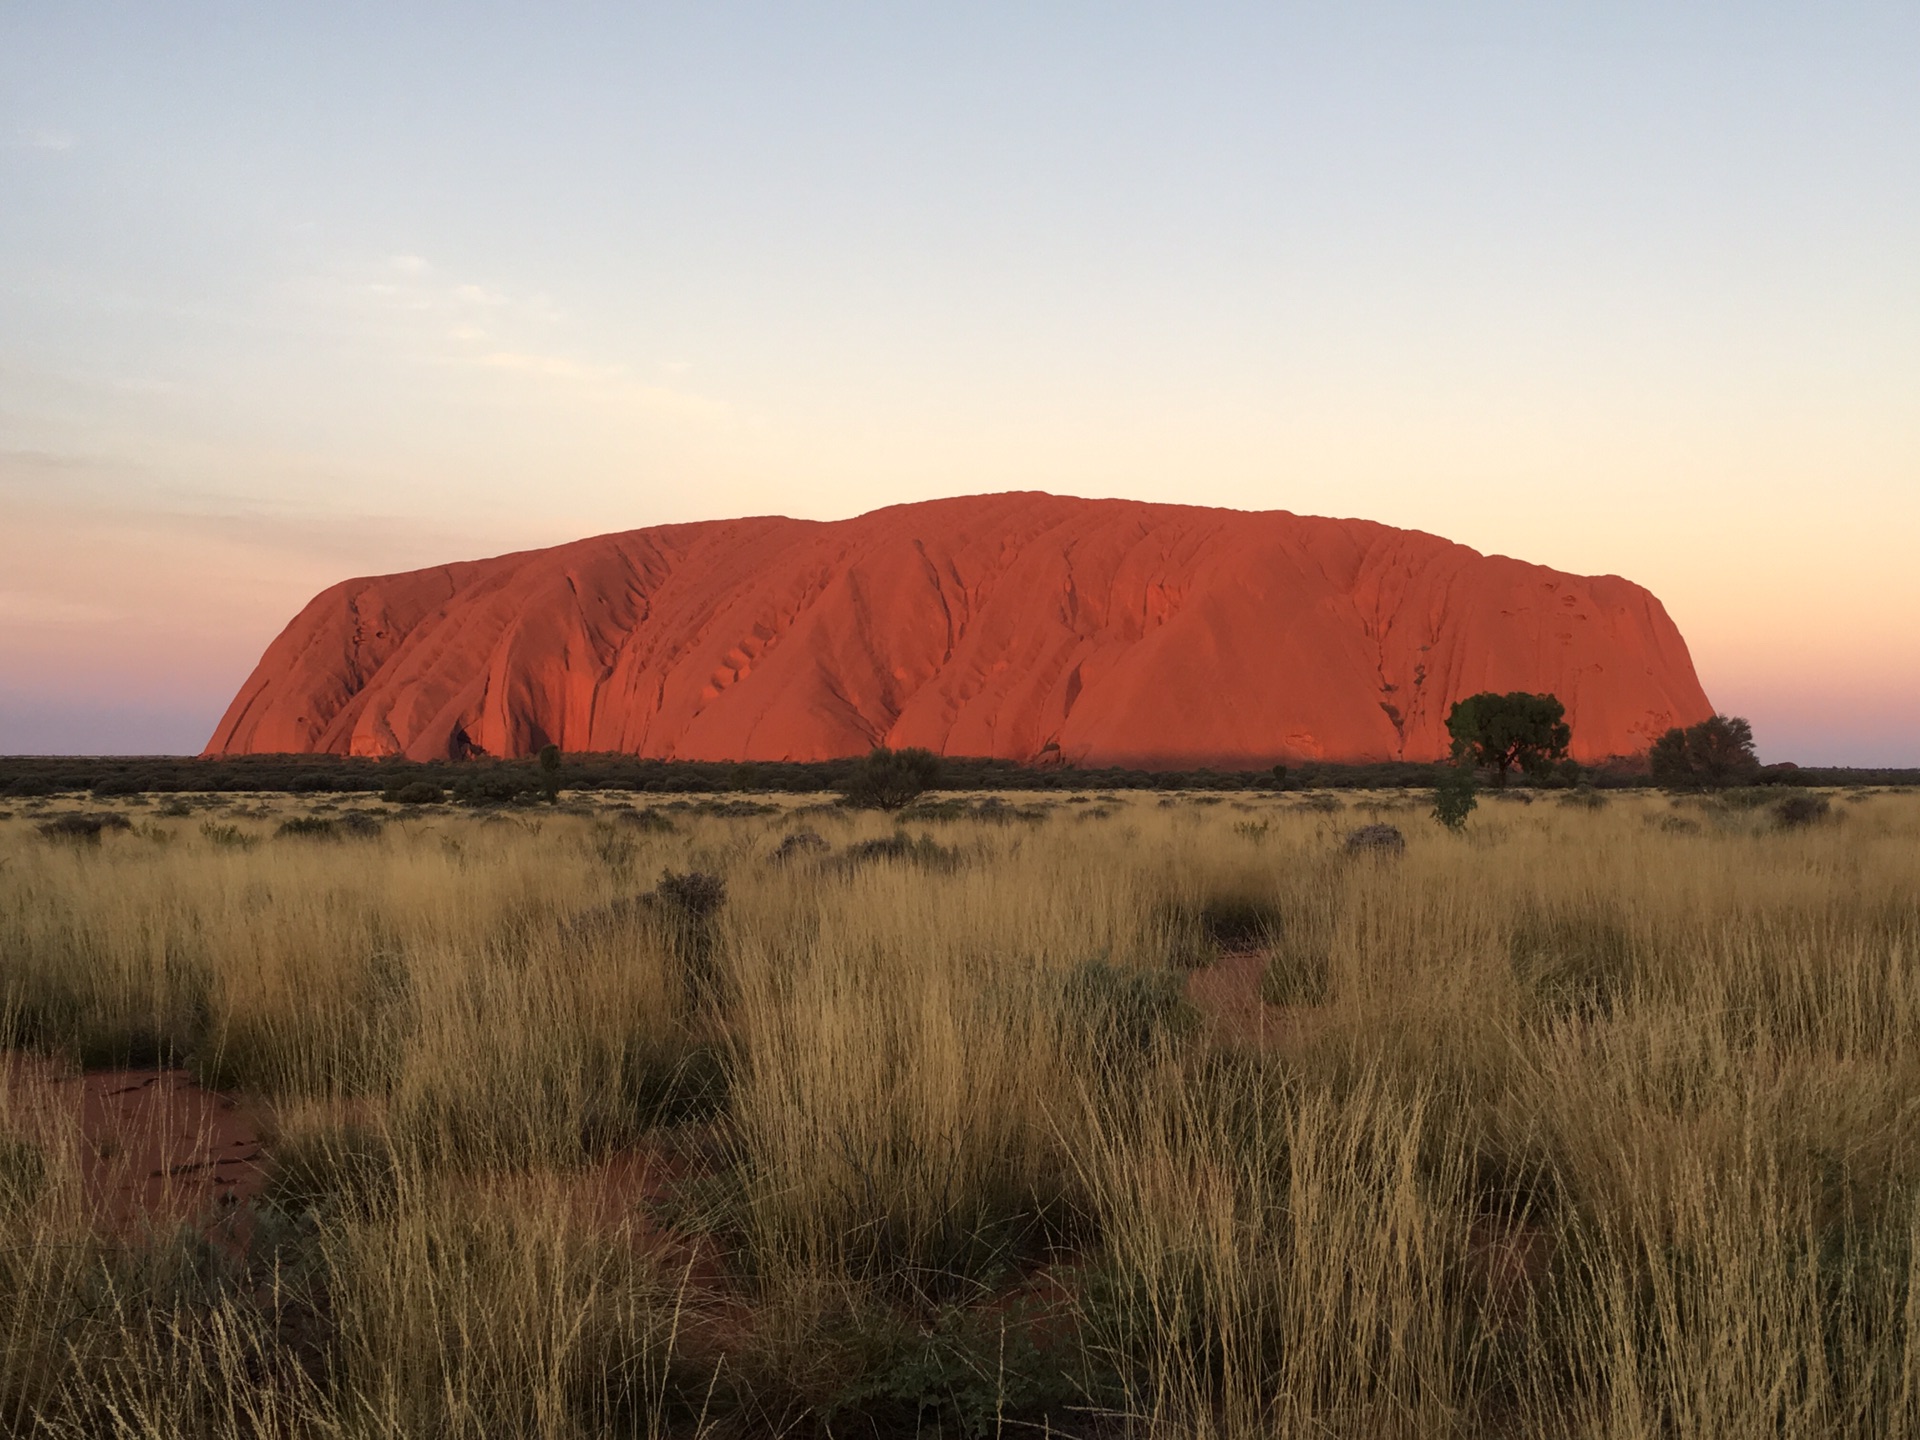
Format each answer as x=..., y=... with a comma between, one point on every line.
x=1114, y=1115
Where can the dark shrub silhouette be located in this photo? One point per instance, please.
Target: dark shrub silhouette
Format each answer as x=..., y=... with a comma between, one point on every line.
x=1376, y=840
x=1455, y=796
x=1125, y=1012
x=1715, y=754
x=354, y=825
x=689, y=904
x=1502, y=731
x=909, y=849
x=82, y=829
x=890, y=779
x=1800, y=810
x=415, y=792
x=799, y=845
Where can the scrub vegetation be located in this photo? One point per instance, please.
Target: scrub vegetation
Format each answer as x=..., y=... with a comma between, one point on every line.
x=1083, y=1113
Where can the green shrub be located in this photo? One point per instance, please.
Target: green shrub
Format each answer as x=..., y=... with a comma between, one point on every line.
x=950, y=808
x=735, y=809
x=550, y=762
x=1504, y=731
x=1238, y=922
x=688, y=1083
x=688, y=904
x=1456, y=795
x=352, y=1170
x=1800, y=810
x=691, y=896
x=1124, y=1012
x=497, y=787
x=968, y=1371
x=1381, y=840
x=82, y=829
x=920, y=850
x=1200, y=930
x=122, y=785
x=890, y=779
x=355, y=824
x=415, y=792
x=228, y=837
x=798, y=845
x=308, y=827
x=1711, y=755
x=158, y=1024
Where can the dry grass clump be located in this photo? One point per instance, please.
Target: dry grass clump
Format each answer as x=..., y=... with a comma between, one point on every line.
x=1182, y=1119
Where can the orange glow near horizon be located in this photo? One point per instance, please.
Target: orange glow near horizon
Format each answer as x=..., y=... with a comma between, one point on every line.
x=168, y=613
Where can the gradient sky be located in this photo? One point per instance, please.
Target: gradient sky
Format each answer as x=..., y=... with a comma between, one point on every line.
x=290, y=293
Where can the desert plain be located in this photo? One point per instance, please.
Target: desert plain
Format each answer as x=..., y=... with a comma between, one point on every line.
x=1083, y=1114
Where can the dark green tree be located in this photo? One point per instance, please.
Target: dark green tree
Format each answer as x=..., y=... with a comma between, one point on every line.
x=1711, y=755
x=550, y=771
x=1502, y=731
x=889, y=779
x=1455, y=794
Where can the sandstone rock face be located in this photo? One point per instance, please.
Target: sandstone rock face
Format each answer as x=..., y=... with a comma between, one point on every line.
x=1023, y=626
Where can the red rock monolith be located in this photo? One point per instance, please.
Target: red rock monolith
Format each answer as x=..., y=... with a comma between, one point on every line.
x=1023, y=626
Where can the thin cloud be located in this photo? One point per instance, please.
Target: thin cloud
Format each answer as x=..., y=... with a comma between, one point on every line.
x=27, y=607
x=554, y=367
x=51, y=141
x=412, y=284
x=604, y=382
x=426, y=315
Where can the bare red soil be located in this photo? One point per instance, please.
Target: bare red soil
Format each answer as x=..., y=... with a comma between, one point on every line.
x=156, y=1150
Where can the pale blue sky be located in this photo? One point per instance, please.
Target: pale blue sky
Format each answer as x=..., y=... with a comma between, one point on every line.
x=294, y=292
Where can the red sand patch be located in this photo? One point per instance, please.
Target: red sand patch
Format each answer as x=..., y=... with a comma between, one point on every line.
x=156, y=1149
x=1227, y=995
